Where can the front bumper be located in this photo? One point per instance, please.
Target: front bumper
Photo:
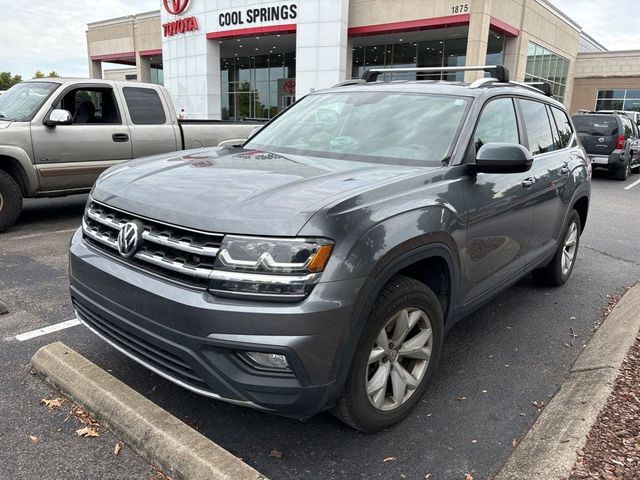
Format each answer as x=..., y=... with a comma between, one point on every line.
x=192, y=338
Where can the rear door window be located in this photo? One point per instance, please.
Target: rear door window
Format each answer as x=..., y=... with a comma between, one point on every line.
x=537, y=127
x=563, y=124
x=600, y=125
x=145, y=106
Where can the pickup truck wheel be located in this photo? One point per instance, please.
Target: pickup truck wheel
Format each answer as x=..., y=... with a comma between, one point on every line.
x=396, y=357
x=10, y=201
x=559, y=269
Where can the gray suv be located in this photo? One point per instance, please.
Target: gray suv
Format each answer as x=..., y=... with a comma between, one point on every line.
x=319, y=265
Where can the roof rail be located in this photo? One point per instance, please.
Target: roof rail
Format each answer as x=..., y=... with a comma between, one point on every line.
x=540, y=87
x=500, y=72
x=346, y=83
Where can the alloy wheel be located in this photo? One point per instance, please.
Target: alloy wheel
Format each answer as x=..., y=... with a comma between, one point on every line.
x=399, y=359
x=570, y=248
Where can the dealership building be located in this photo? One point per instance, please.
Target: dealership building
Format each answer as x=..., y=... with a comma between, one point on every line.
x=234, y=59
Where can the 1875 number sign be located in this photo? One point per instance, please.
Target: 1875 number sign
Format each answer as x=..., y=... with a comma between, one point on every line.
x=461, y=8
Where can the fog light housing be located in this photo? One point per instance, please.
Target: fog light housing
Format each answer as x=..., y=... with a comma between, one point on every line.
x=266, y=361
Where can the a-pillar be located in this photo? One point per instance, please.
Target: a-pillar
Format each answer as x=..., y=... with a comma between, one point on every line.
x=479, y=25
x=95, y=69
x=143, y=68
x=321, y=44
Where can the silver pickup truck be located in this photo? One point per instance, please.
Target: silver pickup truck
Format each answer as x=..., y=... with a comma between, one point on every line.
x=58, y=135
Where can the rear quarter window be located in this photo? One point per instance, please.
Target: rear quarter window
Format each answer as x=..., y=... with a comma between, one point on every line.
x=145, y=106
x=604, y=126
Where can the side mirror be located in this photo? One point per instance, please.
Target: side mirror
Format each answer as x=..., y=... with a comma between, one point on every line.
x=58, y=117
x=502, y=158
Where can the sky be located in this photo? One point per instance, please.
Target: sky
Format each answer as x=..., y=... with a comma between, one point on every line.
x=50, y=35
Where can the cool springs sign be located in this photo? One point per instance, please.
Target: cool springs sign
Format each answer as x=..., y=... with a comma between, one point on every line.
x=182, y=25
x=255, y=16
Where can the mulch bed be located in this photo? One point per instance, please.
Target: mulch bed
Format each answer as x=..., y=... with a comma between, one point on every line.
x=612, y=451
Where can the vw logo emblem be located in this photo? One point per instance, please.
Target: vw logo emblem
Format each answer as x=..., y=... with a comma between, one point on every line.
x=129, y=239
x=176, y=7
x=601, y=140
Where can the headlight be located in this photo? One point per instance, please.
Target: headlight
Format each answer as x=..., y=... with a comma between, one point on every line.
x=285, y=269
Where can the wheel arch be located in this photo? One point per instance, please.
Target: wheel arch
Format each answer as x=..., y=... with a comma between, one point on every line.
x=581, y=205
x=14, y=164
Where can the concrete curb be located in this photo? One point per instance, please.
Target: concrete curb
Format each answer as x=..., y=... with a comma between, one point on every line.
x=154, y=434
x=549, y=450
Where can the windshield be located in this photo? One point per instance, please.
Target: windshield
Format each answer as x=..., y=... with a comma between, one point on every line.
x=601, y=125
x=366, y=125
x=21, y=102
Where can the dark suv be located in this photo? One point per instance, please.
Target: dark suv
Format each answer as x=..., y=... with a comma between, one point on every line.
x=610, y=140
x=319, y=265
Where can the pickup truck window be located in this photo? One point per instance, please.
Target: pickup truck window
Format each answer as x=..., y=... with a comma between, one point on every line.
x=21, y=102
x=538, y=128
x=365, y=125
x=497, y=123
x=91, y=106
x=145, y=106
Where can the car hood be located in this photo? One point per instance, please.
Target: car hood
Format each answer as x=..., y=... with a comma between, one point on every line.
x=239, y=191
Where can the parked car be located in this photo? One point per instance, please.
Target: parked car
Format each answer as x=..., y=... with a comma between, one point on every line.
x=58, y=135
x=611, y=142
x=318, y=266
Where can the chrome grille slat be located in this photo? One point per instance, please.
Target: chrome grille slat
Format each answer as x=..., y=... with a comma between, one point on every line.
x=179, y=244
x=173, y=265
x=176, y=253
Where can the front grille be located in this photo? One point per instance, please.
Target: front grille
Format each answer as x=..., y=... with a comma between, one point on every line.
x=173, y=252
x=155, y=356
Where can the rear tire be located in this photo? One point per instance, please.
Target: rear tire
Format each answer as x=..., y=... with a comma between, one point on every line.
x=384, y=384
x=10, y=201
x=623, y=172
x=559, y=269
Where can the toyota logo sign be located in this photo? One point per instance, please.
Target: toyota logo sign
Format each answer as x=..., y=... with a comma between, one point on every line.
x=176, y=7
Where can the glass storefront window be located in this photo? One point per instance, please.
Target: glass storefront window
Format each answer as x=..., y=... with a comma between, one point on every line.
x=250, y=85
x=619, y=99
x=431, y=53
x=545, y=66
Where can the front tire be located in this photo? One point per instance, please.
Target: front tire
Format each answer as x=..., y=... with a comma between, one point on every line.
x=10, y=201
x=396, y=357
x=559, y=269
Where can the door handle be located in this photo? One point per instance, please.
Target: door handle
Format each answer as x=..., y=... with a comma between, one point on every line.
x=120, y=137
x=528, y=182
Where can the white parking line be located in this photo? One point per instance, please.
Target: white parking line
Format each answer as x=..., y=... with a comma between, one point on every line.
x=634, y=184
x=46, y=330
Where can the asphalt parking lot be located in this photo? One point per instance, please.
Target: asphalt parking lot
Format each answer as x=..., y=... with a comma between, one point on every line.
x=514, y=351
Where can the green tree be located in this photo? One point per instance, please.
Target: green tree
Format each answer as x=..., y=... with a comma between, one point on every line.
x=7, y=80
x=53, y=74
x=38, y=74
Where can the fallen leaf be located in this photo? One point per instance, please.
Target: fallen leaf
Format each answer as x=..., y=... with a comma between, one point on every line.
x=34, y=439
x=538, y=405
x=117, y=449
x=514, y=443
x=468, y=476
x=52, y=403
x=276, y=454
x=87, y=432
x=389, y=459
